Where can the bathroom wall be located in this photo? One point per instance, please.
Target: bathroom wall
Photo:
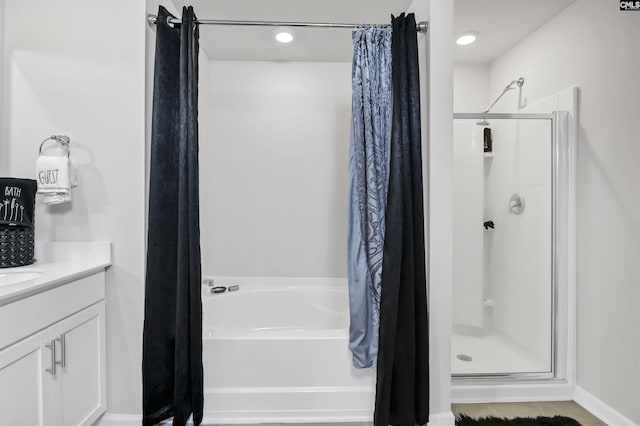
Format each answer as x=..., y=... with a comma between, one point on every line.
x=471, y=88
x=436, y=62
x=275, y=173
x=593, y=45
x=2, y=78
x=78, y=68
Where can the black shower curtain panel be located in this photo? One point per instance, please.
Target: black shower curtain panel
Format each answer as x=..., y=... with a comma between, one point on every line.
x=402, y=387
x=172, y=383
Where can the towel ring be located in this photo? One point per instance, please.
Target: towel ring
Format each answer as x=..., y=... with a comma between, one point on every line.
x=61, y=139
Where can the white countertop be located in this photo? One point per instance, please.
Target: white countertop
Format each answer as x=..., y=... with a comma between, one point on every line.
x=58, y=263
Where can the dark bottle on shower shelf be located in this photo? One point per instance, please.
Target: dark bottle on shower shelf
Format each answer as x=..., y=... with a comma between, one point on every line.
x=488, y=143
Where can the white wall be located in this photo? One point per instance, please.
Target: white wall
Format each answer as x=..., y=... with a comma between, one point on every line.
x=470, y=87
x=274, y=168
x=437, y=86
x=594, y=45
x=77, y=68
x=2, y=106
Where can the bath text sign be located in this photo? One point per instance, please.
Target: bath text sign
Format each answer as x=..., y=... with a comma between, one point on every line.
x=12, y=191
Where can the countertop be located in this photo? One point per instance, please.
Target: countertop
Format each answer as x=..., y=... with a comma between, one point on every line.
x=59, y=263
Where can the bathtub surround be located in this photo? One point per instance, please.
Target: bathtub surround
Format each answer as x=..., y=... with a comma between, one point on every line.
x=172, y=344
x=402, y=388
x=295, y=137
x=369, y=180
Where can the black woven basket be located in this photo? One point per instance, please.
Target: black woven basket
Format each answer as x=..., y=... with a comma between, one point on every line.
x=17, y=204
x=16, y=246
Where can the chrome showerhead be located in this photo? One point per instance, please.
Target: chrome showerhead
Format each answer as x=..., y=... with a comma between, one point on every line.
x=514, y=84
x=519, y=82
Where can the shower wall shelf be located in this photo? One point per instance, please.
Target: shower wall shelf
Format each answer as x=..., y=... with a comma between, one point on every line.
x=488, y=155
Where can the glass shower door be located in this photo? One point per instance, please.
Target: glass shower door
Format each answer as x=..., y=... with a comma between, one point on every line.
x=503, y=315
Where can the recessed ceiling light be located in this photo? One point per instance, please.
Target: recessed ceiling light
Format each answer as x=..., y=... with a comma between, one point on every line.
x=284, y=37
x=465, y=39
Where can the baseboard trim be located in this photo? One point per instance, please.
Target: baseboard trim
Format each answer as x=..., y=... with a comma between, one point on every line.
x=112, y=419
x=600, y=409
x=526, y=392
x=442, y=419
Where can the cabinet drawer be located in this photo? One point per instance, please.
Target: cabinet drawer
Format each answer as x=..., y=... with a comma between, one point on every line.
x=27, y=316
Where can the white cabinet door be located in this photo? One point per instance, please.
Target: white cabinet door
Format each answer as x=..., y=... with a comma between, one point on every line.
x=82, y=392
x=25, y=388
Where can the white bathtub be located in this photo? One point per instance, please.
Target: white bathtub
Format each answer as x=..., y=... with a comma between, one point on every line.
x=276, y=351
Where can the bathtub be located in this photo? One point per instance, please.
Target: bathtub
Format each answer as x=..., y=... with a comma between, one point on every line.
x=276, y=351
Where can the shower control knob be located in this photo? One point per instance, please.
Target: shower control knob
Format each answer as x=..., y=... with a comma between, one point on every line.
x=516, y=203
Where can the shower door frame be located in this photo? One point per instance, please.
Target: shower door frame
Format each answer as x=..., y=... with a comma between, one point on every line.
x=561, y=168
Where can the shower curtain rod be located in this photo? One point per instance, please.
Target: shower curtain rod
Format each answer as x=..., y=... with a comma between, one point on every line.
x=152, y=19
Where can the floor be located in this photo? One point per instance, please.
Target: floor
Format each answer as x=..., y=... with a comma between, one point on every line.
x=493, y=354
x=529, y=409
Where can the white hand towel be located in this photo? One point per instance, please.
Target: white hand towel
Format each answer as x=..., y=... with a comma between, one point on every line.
x=53, y=174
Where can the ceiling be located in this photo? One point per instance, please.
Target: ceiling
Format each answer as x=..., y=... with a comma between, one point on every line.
x=499, y=23
x=309, y=44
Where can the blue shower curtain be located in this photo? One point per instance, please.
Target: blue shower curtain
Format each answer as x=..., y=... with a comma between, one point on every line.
x=369, y=171
x=172, y=382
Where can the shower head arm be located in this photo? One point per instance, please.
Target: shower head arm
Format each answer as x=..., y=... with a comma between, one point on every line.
x=519, y=82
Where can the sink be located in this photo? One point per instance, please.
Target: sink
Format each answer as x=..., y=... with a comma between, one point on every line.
x=15, y=277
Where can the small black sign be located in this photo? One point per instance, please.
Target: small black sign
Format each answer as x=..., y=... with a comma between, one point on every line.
x=17, y=201
x=630, y=5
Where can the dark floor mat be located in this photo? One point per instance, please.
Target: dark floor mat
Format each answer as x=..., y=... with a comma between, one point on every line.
x=519, y=421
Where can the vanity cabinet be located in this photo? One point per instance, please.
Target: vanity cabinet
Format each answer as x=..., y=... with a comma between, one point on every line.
x=23, y=387
x=52, y=365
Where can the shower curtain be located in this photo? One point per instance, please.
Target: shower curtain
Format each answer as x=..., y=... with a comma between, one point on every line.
x=369, y=174
x=402, y=387
x=172, y=383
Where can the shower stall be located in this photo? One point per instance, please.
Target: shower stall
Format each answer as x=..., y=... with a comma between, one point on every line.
x=512, y=199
